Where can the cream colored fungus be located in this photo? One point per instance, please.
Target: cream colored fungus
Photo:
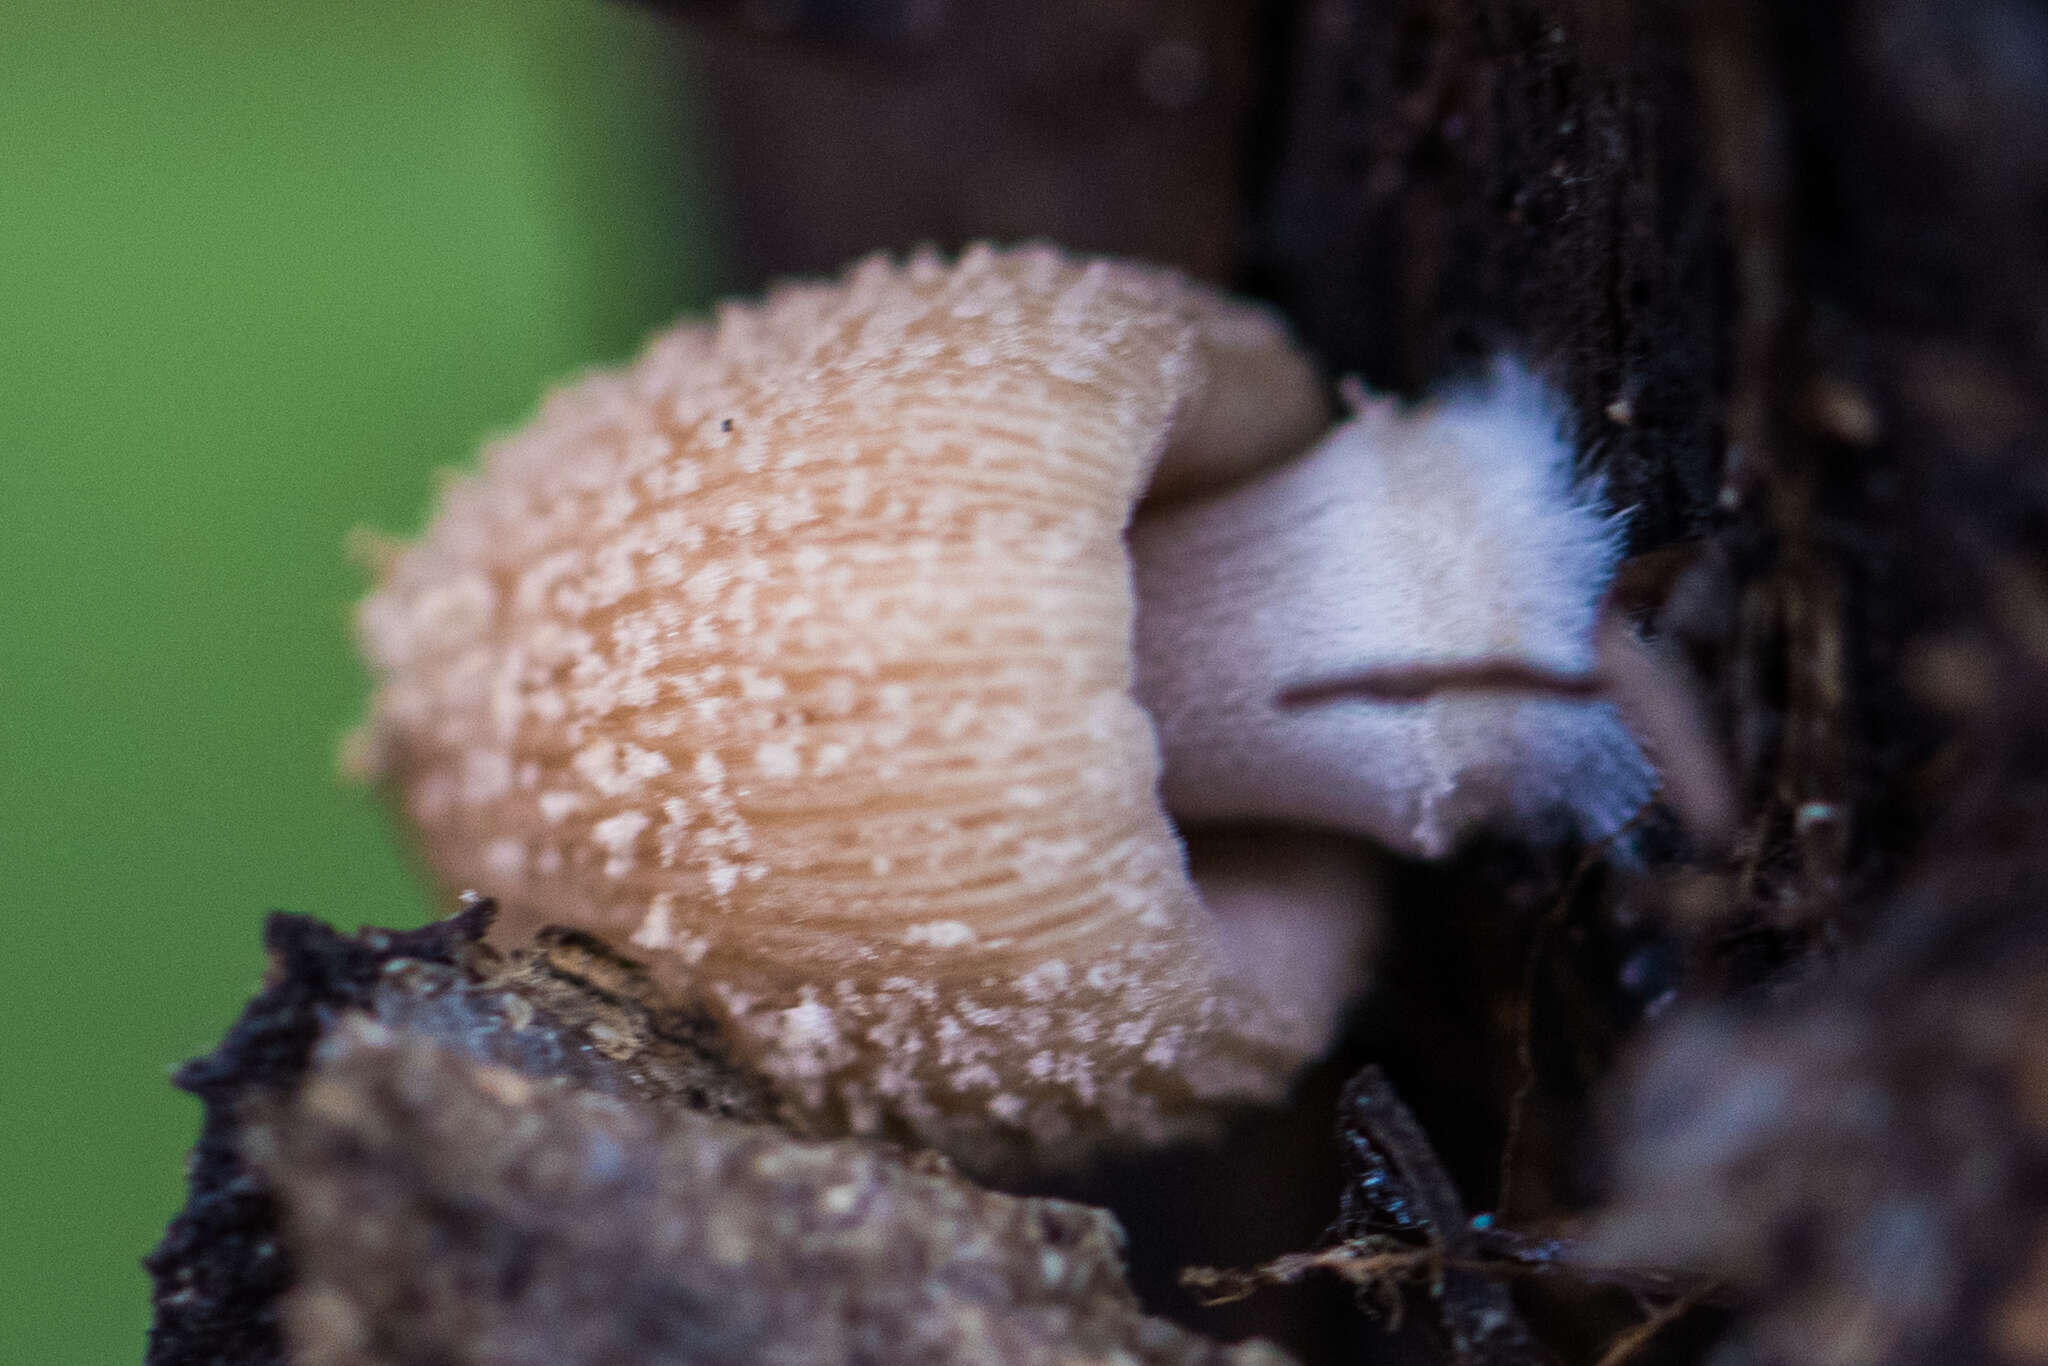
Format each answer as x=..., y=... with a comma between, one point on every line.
x=797, y=658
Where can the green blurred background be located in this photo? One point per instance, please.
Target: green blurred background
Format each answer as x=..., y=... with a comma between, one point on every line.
x=263, y=268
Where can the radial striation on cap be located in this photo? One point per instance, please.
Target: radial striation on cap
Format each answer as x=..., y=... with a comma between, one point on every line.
x=797, y=656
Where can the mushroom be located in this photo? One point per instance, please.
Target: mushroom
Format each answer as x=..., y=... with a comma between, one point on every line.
x=799, y=655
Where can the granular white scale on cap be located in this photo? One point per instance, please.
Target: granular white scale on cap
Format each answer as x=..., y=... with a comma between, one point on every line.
x=798, y=657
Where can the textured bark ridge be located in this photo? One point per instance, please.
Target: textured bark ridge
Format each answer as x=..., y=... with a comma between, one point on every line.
x=1458, y=177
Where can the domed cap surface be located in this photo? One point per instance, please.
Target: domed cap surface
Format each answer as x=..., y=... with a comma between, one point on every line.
x=797, y=656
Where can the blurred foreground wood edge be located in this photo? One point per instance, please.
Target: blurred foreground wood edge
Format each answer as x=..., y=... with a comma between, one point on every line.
x=1787, y=262
x=420, y=1150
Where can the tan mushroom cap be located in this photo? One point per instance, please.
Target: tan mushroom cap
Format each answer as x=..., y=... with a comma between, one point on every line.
x=798, y=655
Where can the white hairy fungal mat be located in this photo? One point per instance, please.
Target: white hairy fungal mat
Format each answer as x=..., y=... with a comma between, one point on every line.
x=798, y=658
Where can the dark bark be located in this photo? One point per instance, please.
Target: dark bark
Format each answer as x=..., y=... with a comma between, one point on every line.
x=221, y=1266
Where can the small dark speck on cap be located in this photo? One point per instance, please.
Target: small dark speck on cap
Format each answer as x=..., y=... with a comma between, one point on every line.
x=725, y=425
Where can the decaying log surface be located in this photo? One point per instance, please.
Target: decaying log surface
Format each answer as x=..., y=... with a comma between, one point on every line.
x=1875, y=1132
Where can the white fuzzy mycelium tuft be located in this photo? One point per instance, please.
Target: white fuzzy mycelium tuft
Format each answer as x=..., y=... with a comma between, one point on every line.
x=1445, y=535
